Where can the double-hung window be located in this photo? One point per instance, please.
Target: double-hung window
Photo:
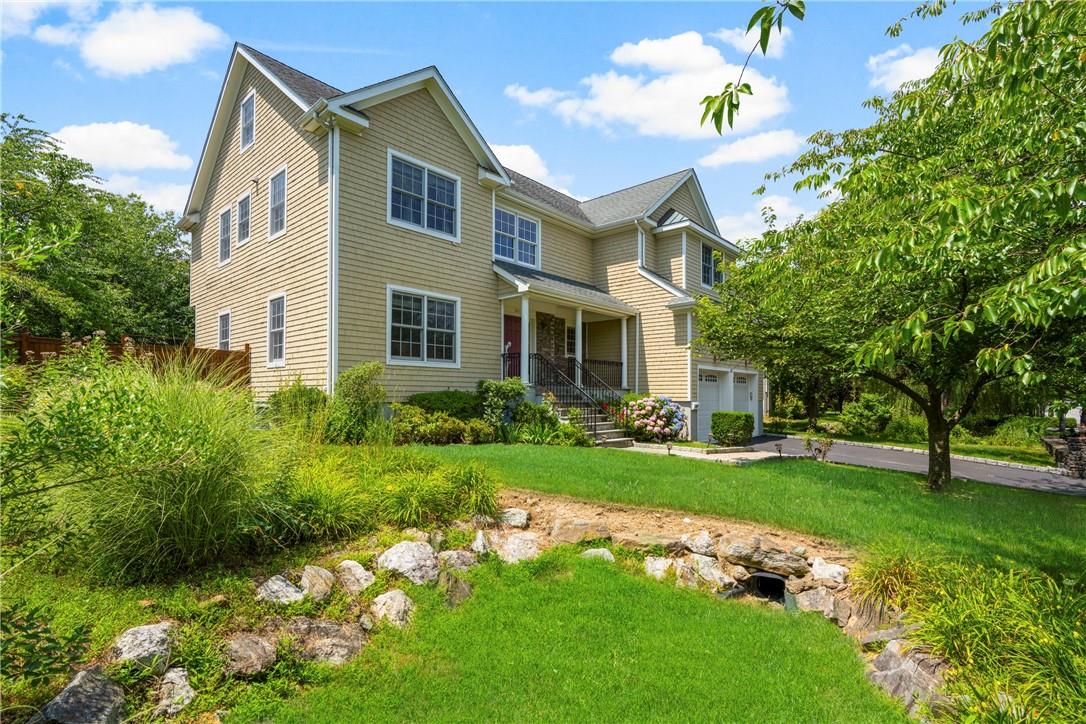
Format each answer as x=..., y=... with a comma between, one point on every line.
x=711, y=273
x=422, y=196
x=244, y=207
x=277, y=330
x=277, y=204
x=224, y=330
x=248, y=120
x=516, y=238
x=423, y=328
x=224, y=236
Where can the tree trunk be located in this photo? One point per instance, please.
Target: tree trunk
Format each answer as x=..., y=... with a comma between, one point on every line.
x=938, y=450
x=810, y=405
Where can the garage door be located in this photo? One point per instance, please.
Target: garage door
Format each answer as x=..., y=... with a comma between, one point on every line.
x=741, y=397
x=709, y=400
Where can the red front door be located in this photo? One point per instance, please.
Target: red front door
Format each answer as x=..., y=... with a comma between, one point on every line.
x=512, y=334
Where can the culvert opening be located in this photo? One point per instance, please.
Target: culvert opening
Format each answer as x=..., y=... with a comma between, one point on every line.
x=769, y=586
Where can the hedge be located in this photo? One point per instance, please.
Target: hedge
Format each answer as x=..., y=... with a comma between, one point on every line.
x=732, y=428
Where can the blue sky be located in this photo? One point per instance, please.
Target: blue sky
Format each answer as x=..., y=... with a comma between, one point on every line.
x=586, y=97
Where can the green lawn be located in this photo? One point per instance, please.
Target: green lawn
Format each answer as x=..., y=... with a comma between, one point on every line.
x=566, y=639
x=866, y=508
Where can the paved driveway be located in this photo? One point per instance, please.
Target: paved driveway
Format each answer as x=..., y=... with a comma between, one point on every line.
x=917, y=462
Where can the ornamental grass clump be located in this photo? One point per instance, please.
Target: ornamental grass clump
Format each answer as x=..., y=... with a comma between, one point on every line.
x=654, y=419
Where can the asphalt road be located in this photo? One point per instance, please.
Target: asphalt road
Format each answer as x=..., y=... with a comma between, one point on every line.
x=888, y=459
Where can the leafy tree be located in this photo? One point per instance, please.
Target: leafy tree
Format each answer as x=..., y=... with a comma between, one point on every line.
x=956, y=253
x=79, y=259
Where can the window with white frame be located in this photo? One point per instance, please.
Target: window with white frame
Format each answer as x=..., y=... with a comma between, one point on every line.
x=277, y=204
x=571, y=341
x=711, y=273
x=244, y=208
x=224, y=330
x=516, y=238
x=248, y=120
x=423, y=197
x=224, y=236
x=277, y=330
x=422, y=327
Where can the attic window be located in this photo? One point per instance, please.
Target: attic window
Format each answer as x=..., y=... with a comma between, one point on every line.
x=248, y=120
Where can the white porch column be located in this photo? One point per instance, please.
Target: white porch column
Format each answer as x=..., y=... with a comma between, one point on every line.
x=624, y=355
x=579, y=346
x=729, y=391
x=525, y=339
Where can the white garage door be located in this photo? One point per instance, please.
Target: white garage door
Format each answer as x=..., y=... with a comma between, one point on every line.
x=709, y=400
x=741, y=398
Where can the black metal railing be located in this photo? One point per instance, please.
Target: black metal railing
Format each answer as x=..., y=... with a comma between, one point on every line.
x=550, y=376
x=510, y=365
x=608, y=372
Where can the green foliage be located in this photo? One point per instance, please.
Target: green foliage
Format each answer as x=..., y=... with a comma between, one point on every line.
x=475, y=489
x=412, y=499
x=569, y=434
x=413, y=424
x=298, y=405
x=479, y=432
x=457, y=403
x=732, y=429
x=357, y=403
x=907, y=428
x=497, y=396
x=1021, y=430
x=31, y=651
x=1013, y=638
x=530, y=413
x=15, y=382
x=868, y=415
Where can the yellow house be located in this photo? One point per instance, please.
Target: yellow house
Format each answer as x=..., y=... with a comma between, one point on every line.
x=331, y=227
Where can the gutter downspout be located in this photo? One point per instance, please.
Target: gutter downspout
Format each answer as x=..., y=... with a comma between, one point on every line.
x=333, y=253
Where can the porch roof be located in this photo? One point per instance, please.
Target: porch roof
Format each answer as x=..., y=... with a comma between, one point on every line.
x=527, y=279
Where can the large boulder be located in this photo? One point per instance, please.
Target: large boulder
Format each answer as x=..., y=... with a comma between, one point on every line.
x=518, y=547
x=700, y=543
x=750, y=552
x=640, y=540
x=832, y=571
x=457, y=560
x=657, y=566
x=147, y=646
x=909, y=674
x=317, y=582
x=354, y=577
x=393, y=606
x=248, y=654
x=515, y=517
x=326, y=642
x=279, y=590
x=870, y=616
x=601, y=553
x=686, y=575
x=415, y=561
x=710, y=573
x=174, y=693
x=822, y=599
x=570, y=530
x=89, y=698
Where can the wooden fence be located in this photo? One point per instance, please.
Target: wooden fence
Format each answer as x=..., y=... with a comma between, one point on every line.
x=33, y=350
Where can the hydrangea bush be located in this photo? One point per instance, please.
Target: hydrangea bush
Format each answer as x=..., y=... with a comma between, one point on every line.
x=653, y=419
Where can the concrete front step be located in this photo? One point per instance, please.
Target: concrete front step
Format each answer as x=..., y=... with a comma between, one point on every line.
x=617, y=442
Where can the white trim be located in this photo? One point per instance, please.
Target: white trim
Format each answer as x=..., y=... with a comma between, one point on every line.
x=517, y=197
x=716, y=238
x=624, y=353
x=428, y=167
x=686, y=284
x=400, y=362
x=572, y=299
x=229, y=234
x=714, y=271
x=689, y=356
x=286, y=192
x=229, y=328
x=333, y=257
x=637, y=353
x=640, y=246
x=516, y=237
x=237, y=217
x=242, y=148
x=267, y=330
x=661, y=282
x=667, y=194
x=274, y=79
x=525, y=339
x=699, y=198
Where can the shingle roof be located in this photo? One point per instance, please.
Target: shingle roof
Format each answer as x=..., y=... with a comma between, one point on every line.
x=542, y=281
x=308, y=88
x=628, y=203
x=547, y=196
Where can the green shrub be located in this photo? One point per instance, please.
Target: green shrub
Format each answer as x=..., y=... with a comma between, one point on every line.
x=31, y=651
x=15, y=381
x=569, y=435
x=830, y=427
x=732, y=429
x=1022, y=430
x=479, y=432
x=358, y=400
x=790, y=408
x=960, y=434
x=907, y=428
x=868, y=415
x=413, y=499
x=415, y=425
x=457, y=403
x=530, y=413
x=297, y=405
x=496, y=395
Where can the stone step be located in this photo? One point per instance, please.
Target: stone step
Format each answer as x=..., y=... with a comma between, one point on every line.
x=617, y=442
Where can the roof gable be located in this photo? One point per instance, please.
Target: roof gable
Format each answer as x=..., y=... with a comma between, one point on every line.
x=630, y=203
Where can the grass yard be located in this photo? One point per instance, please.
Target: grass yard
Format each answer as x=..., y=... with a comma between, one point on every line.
x=568, y=639
x=870, y=509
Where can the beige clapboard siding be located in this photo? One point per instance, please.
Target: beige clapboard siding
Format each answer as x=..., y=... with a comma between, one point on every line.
x=373, y=253
x=694, y=243
x=603, y=340
x=662, y=365
x=563, y=251
x=669, y=256
x=294, y=262
x=682, y=200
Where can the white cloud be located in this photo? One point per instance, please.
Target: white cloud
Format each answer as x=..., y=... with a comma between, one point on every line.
x=743, y=41
x=526, y=160
x=750, y=223
x=17, y=17
x=751, y=149
x=133, y=40
x=163, y=196
x=683, y=69
x=898, y=65
x=67, y=34
x=123, y=145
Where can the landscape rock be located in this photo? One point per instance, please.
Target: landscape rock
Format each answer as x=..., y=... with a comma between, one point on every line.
x=709, y=571
x=750, y=553
x=796, y=585
x=174, y=693
x=799, y=551
x=675, y=548
x=354, y=577
x=518, y=547
x=248, y=654
x=819, y=599
x=456, y=589
x=911, y=675
x=414, y=561
x=640, y=540
x=868, y=616
x=327, y=642
x=700, y=543
x=436, y=539
x=832, y=571
x=480, y=545
x=366, y=622
x=515, y=517
x=317, y=582
x=279, y=590
x=457, y=560
x=148, y=646
x=740, y=574
x=482, y=521
x=393, y=606
x=686, y=575
x=89, y=698
x=657, y=566
x=569, y=530
x=885, y=634
x=601, y=553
